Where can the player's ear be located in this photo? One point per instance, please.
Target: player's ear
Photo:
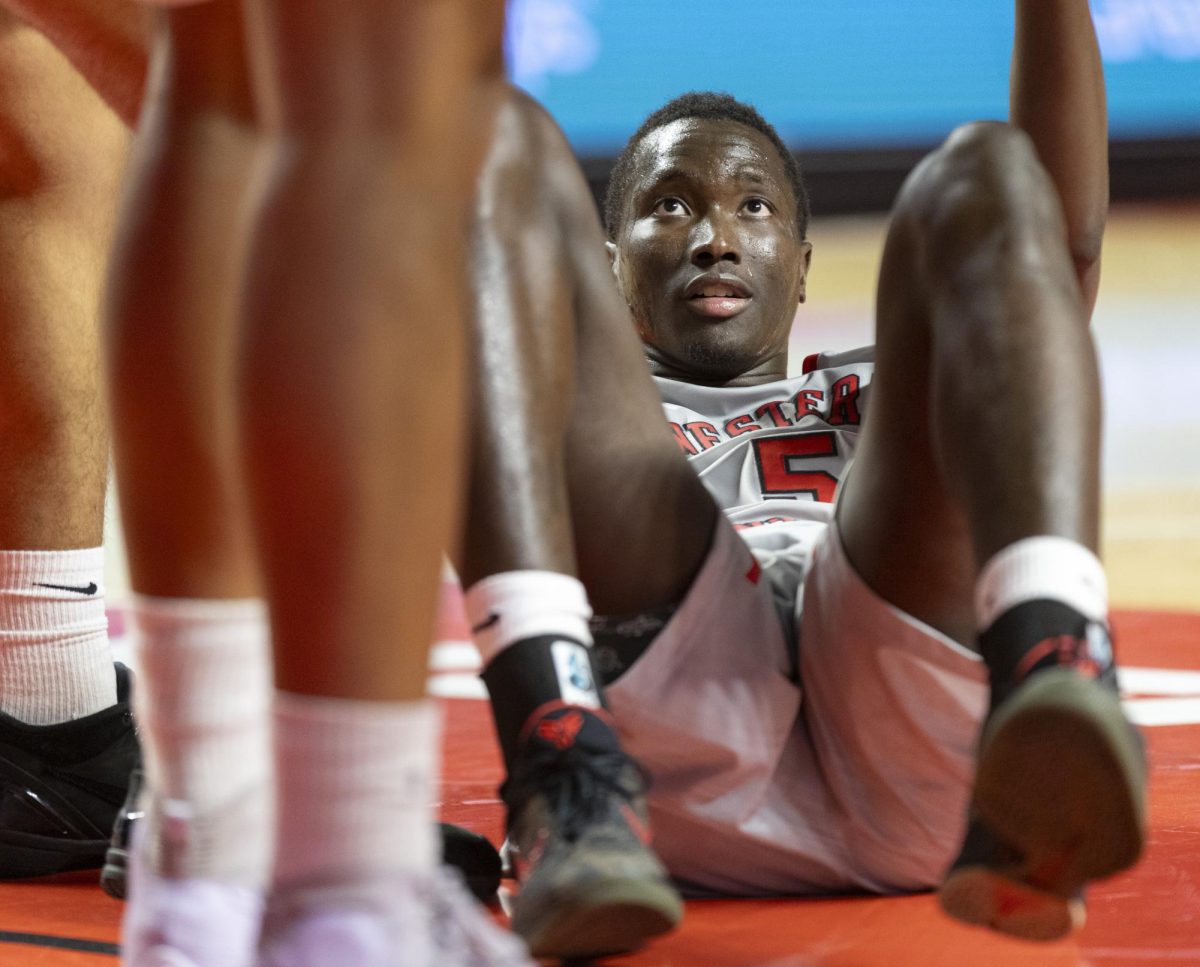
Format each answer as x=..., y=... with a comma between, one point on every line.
x=805, y=262
x=611, y=248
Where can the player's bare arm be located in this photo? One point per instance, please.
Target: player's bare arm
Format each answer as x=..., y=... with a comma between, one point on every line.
x=1057, y=98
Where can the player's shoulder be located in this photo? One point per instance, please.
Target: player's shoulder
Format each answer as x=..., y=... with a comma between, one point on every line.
x=860, y=356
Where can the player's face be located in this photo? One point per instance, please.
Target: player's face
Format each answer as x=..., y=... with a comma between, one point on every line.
x=709, y=257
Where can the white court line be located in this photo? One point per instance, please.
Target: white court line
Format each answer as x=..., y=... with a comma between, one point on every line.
x=1158, y=681
x=1163, y=711
x=455, y=685
x=455, y=656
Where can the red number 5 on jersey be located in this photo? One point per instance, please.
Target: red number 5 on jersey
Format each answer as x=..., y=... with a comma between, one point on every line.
x=781, y=460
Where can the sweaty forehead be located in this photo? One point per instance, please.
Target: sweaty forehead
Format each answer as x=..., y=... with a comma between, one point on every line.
x=707, y=149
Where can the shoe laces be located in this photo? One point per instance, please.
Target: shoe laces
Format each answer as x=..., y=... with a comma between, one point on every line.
x=577, y=784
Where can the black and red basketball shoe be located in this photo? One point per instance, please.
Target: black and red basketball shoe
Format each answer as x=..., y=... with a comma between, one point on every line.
x=579, y=842
x=1060, y=783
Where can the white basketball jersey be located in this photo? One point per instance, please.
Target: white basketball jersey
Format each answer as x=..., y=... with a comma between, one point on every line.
x=772, y=455
x=762, y=735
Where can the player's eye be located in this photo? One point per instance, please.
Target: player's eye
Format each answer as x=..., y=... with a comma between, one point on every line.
x=757, y=207
x=670, y=206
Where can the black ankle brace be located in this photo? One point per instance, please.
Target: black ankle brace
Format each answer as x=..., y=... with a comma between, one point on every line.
x=1044, y=634
x=549, y=670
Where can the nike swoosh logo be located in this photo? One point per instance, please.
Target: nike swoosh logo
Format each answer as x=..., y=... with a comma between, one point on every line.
x=85, y=589
x=487, y=622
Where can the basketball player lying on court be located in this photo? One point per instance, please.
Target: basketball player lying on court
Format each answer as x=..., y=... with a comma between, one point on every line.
x=810, y=650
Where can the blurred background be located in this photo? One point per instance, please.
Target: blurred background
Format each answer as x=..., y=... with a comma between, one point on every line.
x=860, y=89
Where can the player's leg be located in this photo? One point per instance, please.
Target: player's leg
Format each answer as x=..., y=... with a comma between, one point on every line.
x=352, y=396
x=989, y=429
x=973, y=502
x=572, y=368
x=589, y=883
x=203, y=695
x=60, y=162
x=580, y=380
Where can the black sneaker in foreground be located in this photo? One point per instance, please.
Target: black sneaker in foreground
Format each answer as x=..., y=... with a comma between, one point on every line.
x=116, y=859
x=578, y=840
x=61, y=788
x=1059, y=799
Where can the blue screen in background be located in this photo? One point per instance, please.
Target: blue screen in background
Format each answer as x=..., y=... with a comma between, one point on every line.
x=835, y=74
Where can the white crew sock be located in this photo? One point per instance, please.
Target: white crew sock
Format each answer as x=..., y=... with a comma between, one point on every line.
x=1054, y=568
x=203, y=703
x=357, y=782
x=510, y=607
x=55, y=660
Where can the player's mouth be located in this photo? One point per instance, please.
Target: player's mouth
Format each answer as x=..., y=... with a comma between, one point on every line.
x=716, y=296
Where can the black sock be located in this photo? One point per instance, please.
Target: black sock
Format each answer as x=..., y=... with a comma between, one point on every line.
x=535, y=677
x=1044, y=634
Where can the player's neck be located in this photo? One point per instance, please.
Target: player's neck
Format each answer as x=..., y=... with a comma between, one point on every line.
x=766, y=371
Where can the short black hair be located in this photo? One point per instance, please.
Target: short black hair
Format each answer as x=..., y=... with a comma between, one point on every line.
x=710, y=106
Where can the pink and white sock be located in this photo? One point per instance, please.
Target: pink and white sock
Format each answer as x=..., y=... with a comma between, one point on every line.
x=357, y=785
x=203, y=702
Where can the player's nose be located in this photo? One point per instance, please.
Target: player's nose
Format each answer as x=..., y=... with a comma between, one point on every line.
x=715, y=239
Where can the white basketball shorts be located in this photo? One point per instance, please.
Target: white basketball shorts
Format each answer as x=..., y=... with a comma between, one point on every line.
x=855, y=779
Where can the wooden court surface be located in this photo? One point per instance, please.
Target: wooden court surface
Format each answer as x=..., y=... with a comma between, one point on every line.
x=1148, y=328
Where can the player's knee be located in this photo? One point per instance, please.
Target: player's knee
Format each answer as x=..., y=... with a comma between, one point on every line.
x=515, y=186
x=21, y=173
x=513, y=134
x=56, y=421
x=988, y=142
x=985, y=187
x=530, y=174
x=27, y=159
